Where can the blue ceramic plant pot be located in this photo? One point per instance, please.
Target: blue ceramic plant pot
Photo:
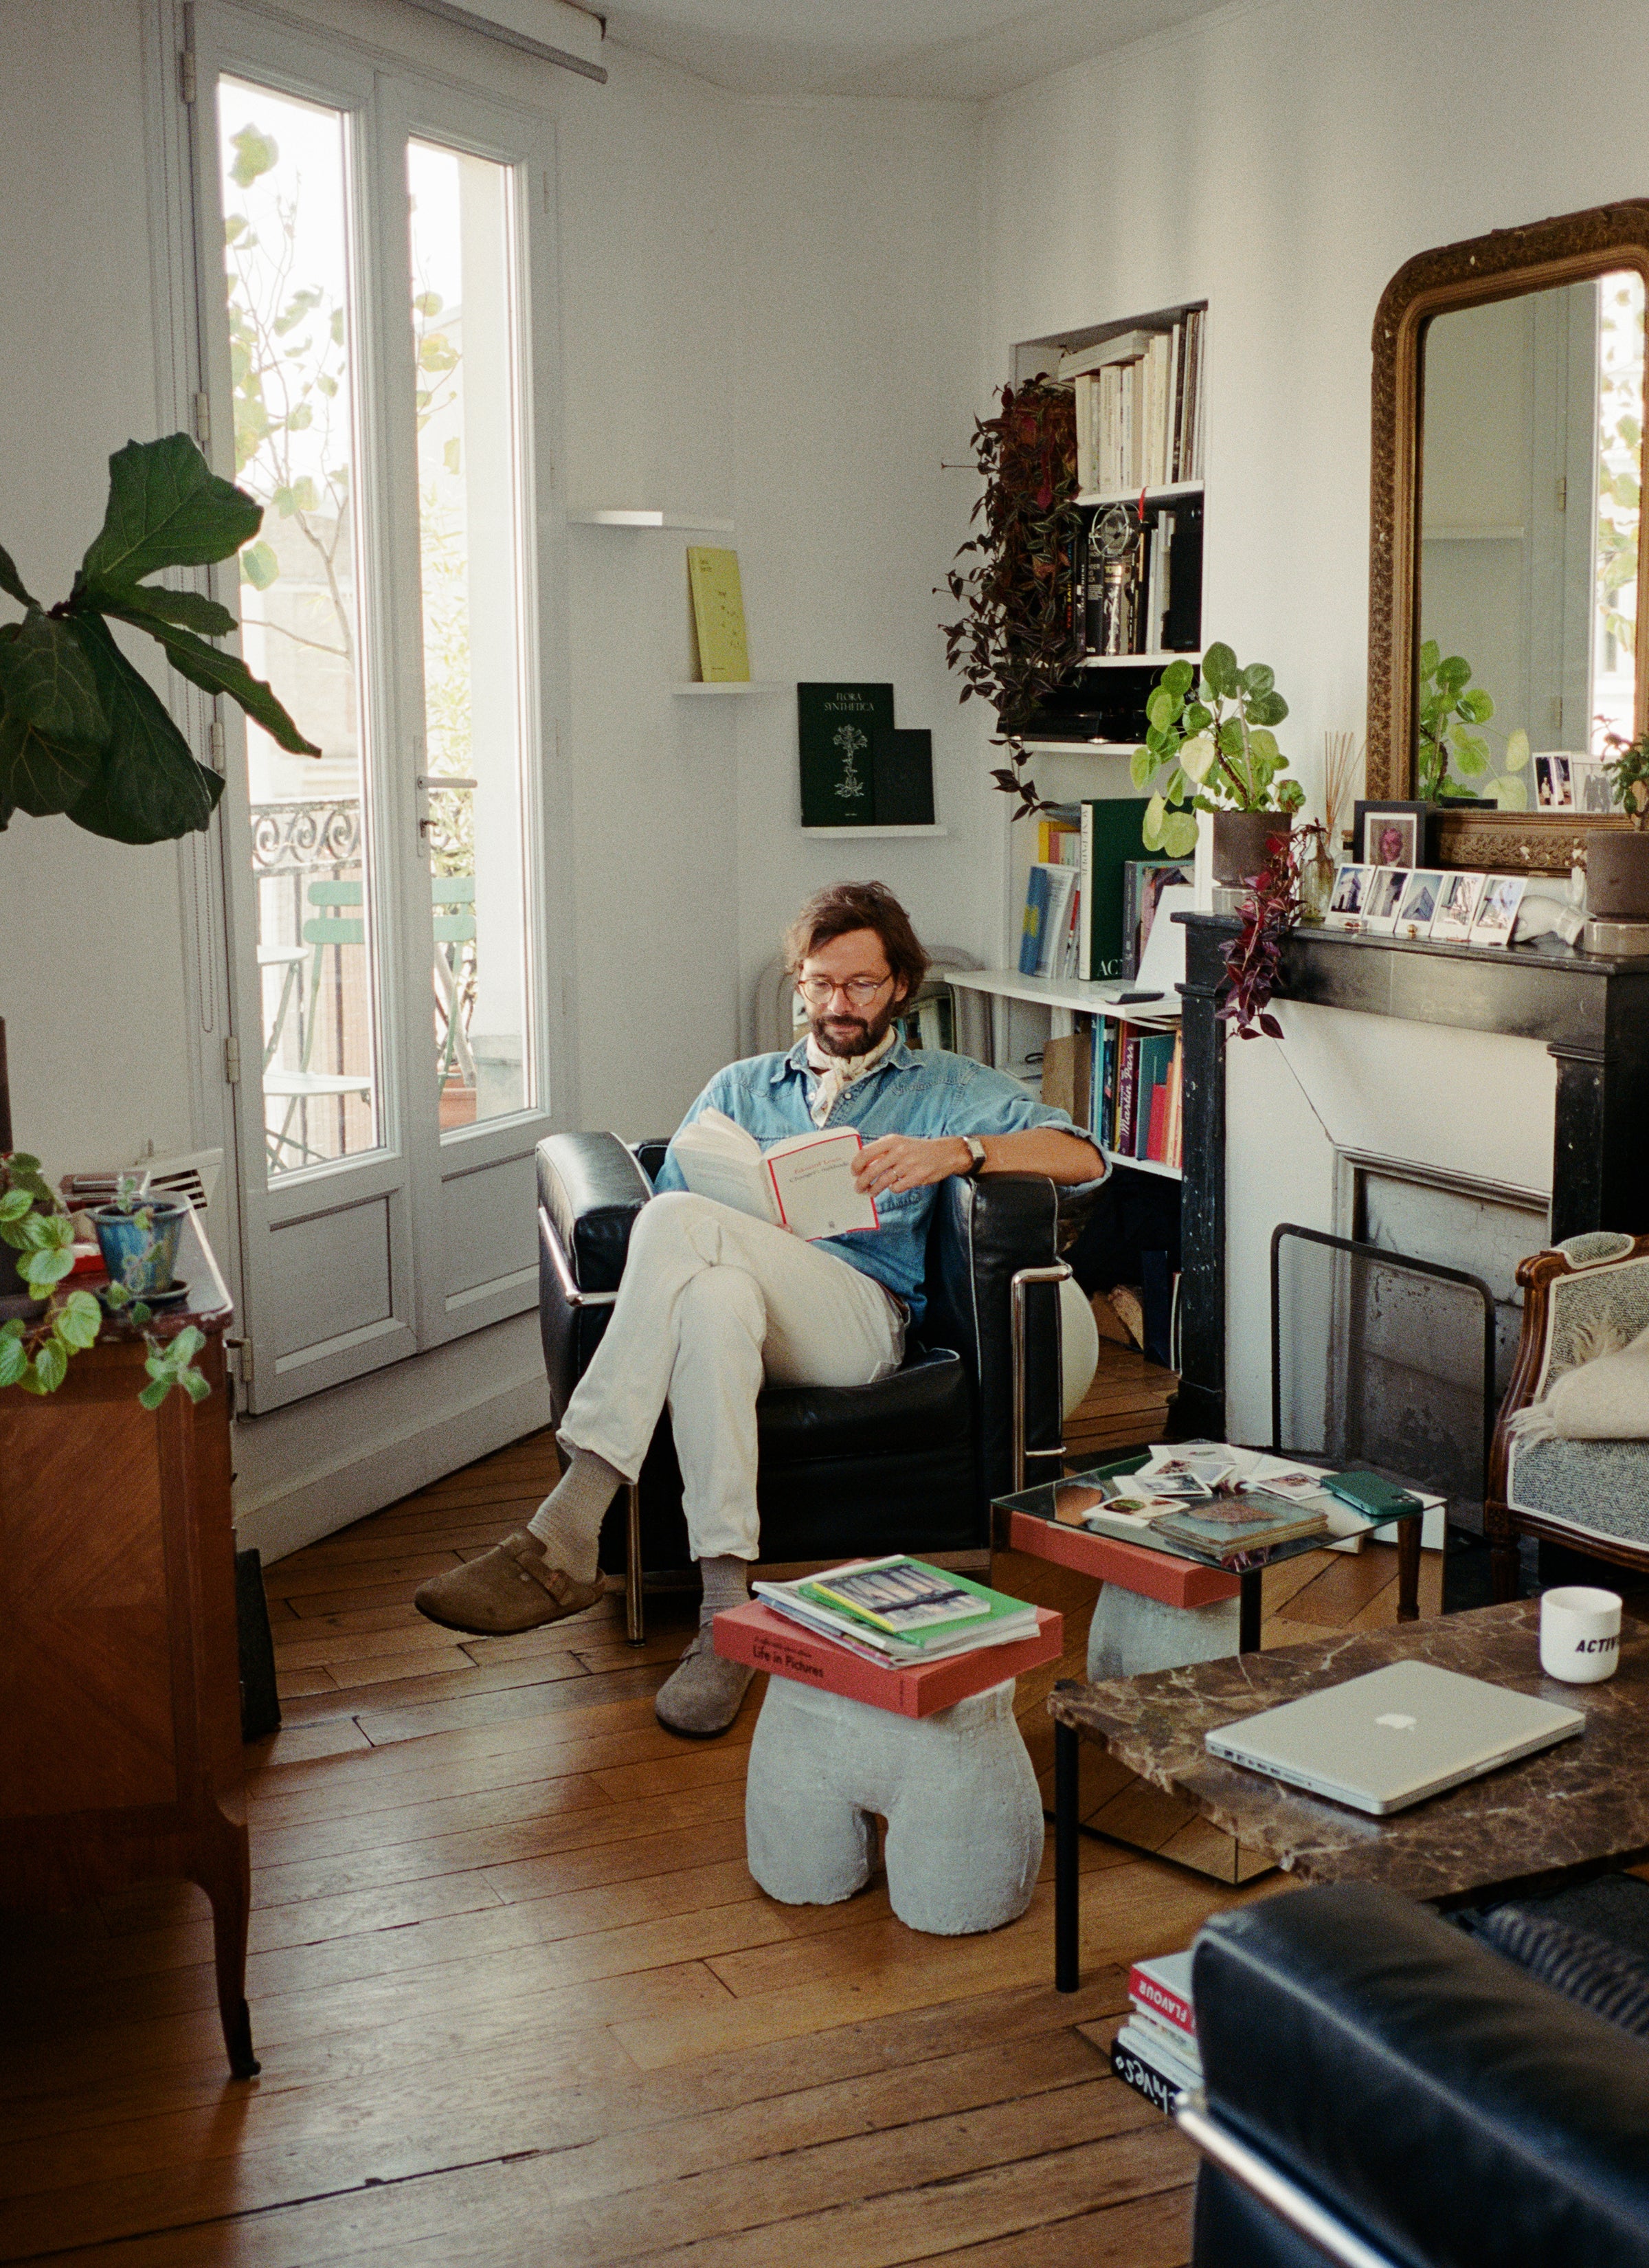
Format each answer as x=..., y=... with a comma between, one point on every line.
x=140, y=1250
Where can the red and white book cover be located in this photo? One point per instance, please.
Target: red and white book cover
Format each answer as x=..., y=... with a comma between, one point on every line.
x=767, y=1640
x=1163, y=1986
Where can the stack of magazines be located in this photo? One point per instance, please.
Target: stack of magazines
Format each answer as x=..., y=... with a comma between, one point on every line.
x=1156, y=2048
x=900, y=1612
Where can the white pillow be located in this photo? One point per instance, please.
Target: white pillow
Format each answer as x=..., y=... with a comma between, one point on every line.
x=1604, y=1400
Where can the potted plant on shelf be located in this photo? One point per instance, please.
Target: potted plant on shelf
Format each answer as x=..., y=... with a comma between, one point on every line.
x=1210, y=748
x=1452, y=757
x=1015, y=642
x=1617, y=858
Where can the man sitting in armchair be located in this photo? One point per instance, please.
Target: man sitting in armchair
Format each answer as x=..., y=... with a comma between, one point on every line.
x=713, y=1301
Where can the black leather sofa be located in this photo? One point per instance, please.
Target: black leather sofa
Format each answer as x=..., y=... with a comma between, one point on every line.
x=1375, y=2075
x=910, y=1464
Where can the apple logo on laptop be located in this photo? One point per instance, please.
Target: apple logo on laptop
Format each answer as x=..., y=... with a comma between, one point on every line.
x=1397, y=1721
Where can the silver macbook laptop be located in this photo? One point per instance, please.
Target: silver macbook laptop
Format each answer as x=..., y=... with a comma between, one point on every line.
x=1383, y=1741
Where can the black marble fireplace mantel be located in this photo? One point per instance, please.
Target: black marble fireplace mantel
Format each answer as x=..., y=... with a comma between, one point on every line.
x=1591, y=1013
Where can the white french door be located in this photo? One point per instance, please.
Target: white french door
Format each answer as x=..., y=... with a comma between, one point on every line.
x=376, y=281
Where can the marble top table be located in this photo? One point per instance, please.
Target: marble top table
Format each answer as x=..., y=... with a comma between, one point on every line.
x=1570, y=1810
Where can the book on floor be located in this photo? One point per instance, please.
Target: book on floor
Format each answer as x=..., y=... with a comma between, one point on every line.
x=902, y=1608
x=1141, y=2067
x=1162, y=1986
x=804, y=1185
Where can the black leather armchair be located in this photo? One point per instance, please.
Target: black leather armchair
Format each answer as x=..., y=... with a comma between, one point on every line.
x=1381, y=2090
x=910, y=1464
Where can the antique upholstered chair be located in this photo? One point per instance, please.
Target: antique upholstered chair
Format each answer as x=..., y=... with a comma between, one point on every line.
x=907, y=1465
x=1557, y=1470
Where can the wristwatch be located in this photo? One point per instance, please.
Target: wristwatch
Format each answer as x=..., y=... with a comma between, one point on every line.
x=976, y=1156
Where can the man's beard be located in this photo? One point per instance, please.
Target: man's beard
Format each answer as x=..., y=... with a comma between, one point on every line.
x=851, y=1035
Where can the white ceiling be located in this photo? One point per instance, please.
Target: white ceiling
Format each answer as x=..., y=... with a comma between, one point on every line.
x=960, y=51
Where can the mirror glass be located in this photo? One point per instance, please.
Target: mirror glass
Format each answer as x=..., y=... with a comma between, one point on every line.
x=1531, y=463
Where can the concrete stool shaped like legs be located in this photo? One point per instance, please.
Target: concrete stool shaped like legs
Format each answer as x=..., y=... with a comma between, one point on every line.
x=957, y=1790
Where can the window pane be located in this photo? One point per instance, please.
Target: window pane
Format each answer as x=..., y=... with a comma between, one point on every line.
x=469, y=548
x=291, y=331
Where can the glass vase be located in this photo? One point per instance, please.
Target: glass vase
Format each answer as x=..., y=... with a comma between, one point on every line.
x=1317, y=887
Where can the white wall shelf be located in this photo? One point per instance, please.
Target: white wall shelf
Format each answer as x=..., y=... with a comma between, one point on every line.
x=1070, y=993
x=742, y=686
x=1146, y=1166
x=1153, y=495
x=1081, y=747
x=602, y=516
x=1134, y=660
x=870, y=834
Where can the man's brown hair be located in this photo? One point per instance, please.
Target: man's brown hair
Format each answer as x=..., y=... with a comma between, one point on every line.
x=847, y=906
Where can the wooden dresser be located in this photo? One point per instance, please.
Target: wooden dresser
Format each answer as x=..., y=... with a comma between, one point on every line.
x=120, y=1708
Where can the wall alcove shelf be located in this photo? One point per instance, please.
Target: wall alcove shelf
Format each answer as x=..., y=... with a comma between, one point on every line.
x=737, y=685
x=606, y=516
x=868, y=833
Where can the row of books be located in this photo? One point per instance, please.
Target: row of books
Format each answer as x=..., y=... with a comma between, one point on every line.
x=1139, y=408
x=1139, y=1099
x=1155, y=2050
x=1083, y=917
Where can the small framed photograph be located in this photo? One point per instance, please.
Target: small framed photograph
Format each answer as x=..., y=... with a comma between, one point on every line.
x=1345, y=907
x=1497, y=912
x=1418, y=903
x=1391, y=833
x=1382, y=898
x=1552, y=788
x=1589, y=786
x=1457, y=908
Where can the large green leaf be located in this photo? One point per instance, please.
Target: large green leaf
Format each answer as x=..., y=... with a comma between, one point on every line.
x=10, y=581
x=217, y=672
x=149, y=788
x=37, y=774
x=145, y=601
x=1219, y=672
x=46, y=683
x=166, y=508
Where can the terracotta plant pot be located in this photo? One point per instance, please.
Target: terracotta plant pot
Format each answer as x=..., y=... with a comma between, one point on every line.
x=1239, y=841
x=1618, y=875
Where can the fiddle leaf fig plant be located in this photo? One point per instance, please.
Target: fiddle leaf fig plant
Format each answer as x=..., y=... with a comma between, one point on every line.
x=82, y=732
x=1211, y=747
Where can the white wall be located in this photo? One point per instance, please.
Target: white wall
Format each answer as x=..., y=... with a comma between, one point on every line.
x=768, y=315
x=1283, y=159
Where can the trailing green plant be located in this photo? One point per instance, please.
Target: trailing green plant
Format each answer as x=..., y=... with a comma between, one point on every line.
x=82, y=732
x=1628, y=774
x=1015, y=642
x=36, y=1351
x=1451, y=755
x=1211, y=747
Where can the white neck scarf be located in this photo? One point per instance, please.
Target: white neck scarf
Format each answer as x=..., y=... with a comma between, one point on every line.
x=837, y=1073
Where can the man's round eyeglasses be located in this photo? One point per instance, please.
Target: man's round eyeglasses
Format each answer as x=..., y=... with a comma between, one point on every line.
x=861, y=990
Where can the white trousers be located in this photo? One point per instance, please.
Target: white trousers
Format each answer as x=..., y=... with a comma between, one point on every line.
x=710, y=1304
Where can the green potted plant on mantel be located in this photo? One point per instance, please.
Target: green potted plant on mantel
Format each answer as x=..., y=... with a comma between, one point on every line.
x=1452, y=758
x=1210, y=748
x=1617, y=858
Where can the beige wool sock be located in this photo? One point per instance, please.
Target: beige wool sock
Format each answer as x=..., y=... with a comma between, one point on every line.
x=727, y=1581
x=569, y=1522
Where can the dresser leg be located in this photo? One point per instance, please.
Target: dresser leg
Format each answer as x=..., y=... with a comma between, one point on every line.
x=231, y=1894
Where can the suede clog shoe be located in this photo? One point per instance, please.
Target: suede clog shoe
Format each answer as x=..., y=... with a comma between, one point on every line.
x=701, y=1696
x=509, y=1588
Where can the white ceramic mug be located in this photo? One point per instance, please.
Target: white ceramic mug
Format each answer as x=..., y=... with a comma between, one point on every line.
x=1580, y=1635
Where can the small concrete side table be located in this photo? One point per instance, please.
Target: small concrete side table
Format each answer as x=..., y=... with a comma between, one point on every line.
x=936, y=1751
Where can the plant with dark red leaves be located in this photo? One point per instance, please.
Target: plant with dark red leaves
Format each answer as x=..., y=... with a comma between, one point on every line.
x=1254, y=957
x=1016, y=641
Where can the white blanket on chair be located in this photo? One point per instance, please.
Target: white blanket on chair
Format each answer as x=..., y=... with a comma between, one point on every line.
x=1604, y=1397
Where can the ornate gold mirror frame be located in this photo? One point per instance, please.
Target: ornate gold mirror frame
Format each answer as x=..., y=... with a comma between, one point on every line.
x=1503, y=265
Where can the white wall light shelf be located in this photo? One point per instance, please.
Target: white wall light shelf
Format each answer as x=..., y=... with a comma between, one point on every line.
x=868, y=833
x=742, y=686
x=1143, y=1165
x=592, y=516
x=1075, y=992
x=1153, y=495
x=1134, y=660
x=1081, y=747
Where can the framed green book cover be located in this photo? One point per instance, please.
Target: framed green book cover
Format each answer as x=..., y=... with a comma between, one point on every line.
x=1110, y=838
x=836, y=726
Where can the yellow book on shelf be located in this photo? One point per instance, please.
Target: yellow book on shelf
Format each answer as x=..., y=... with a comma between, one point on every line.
x=724, y=655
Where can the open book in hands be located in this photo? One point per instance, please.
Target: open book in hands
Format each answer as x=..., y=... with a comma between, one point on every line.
x=804, y=1185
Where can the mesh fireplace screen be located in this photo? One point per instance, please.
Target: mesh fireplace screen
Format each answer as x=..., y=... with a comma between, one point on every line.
x=1381, y=1359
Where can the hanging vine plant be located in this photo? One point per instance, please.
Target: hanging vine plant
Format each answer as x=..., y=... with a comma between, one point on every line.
x=1015, y=641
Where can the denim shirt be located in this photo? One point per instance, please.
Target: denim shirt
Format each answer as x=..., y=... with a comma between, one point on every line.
x=926, y=1093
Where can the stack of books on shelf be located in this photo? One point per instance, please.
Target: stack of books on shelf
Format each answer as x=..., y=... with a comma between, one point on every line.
x=899, y=1613
x=1140, y=408
x=1073, y=923
x=1137, y=1107
x=1155, y=2052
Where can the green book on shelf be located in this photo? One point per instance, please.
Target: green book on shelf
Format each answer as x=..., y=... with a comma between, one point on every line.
x=1110, y=838
x=902, y=772
x=837, y=729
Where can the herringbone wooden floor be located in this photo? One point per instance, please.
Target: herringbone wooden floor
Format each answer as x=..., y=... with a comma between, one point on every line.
x=519, y=2002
